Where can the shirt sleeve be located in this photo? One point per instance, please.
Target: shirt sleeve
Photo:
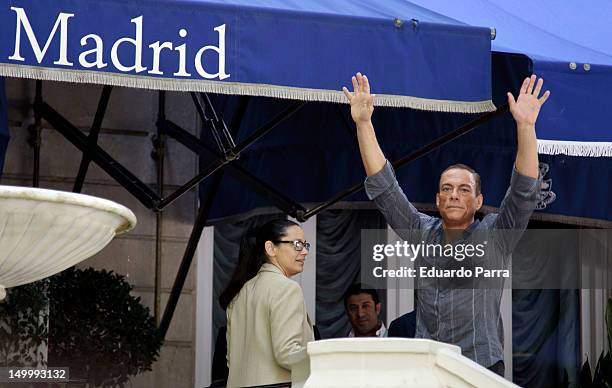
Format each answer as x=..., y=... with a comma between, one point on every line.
x=390, y=199
x=516, y=208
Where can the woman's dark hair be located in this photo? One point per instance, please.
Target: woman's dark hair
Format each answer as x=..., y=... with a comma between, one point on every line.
x=253, y=255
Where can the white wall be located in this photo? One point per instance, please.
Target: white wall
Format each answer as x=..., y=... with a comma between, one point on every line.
x=308, y=278
x=400, y=292
x=204, y=298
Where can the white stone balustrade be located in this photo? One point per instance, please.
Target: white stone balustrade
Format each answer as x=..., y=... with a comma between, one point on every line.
x=393, y=363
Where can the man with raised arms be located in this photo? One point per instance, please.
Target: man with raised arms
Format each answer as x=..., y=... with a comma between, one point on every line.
x=469, y=318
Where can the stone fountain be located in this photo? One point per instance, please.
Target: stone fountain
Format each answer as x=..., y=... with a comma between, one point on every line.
x=43, y=232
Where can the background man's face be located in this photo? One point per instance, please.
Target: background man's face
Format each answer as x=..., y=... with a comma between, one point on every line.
x=457, y=200
x=363, y=314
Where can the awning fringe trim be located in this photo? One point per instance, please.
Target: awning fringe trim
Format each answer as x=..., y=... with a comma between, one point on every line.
x=263, y=90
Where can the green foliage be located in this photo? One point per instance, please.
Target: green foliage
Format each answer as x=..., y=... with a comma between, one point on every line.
x=23, y=324
x=602, y=378
x=99, y=329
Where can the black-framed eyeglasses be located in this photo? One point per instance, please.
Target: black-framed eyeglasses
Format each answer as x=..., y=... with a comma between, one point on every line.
x=297, y=244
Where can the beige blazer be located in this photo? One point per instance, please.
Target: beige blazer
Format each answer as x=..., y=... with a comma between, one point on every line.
x=267, y=330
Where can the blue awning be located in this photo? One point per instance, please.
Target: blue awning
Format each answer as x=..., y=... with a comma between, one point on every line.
x=302, y=50
x=314, y=156
x=4, y=133
x=307, y=50
x=570, y=46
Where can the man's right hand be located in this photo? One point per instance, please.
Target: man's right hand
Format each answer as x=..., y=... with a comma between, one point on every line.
x=362, y=107
x=362, y=102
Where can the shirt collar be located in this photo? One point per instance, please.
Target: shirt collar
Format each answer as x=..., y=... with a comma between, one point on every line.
x=267, y=267
x=381, y=332
x=464, y=236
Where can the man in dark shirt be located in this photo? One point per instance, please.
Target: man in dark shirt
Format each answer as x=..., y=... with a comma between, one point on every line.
x=469, y=318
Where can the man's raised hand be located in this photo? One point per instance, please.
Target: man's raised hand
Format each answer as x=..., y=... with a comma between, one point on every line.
x=362, y=106
x=362, y=102
x=526, y=107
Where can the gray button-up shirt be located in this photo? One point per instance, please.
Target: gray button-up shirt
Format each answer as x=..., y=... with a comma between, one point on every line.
x=467, y=317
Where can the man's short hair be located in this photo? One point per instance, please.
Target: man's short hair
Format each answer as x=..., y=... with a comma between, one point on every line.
x=358, y=288
x=462, y=166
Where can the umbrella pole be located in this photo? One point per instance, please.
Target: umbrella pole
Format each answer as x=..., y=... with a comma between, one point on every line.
x=158, y=154
x=233, y=154
x=192, y=244
x=34, y=138
x=284, y=203
x=93, y=137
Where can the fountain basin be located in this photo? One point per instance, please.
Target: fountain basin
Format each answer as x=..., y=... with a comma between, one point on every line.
x=43, y=232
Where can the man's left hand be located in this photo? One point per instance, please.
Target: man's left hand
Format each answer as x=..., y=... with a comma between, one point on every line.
x=526, y=107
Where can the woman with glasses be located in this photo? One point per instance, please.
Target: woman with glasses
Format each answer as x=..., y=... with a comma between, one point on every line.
x=267, y=324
